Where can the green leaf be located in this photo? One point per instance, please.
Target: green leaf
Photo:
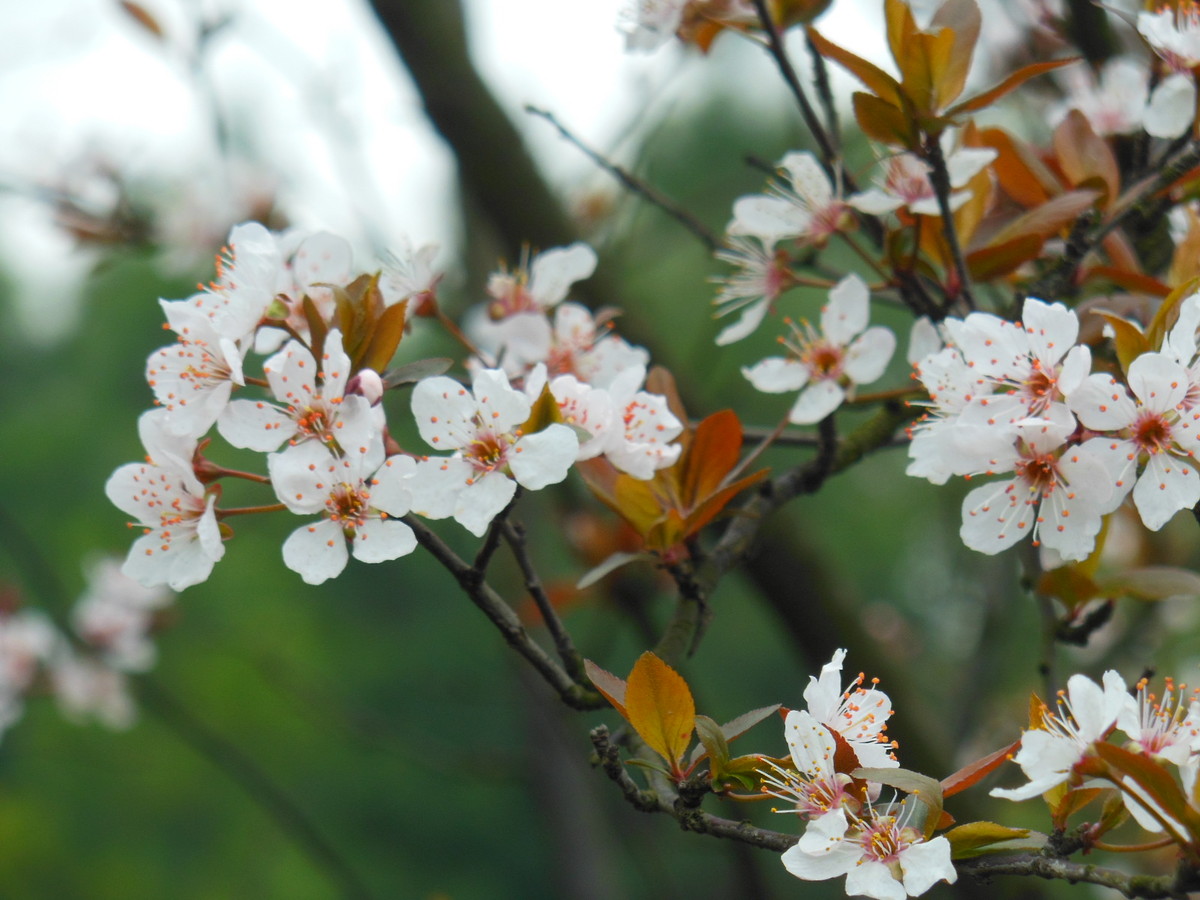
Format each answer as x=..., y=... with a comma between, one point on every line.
x=714, y=745
x=975, y=838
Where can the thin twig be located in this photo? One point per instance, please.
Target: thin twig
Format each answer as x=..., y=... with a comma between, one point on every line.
x=514, y=534
x=825, y=94
x=829, y=154
x=252, y=779
x=1051, y=868
x=500, y=614
x=634, y=184
x=1137, y=201
x=939, y=178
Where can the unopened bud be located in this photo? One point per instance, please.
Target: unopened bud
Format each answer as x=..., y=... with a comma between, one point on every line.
x=366, y=383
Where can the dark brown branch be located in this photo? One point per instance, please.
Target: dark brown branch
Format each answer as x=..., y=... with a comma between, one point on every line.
x=1138, y=201
x=500, y=614
x=634, y=184
x=939, y=177
x=514, y=534
x=1053, y=868
x=829, y=154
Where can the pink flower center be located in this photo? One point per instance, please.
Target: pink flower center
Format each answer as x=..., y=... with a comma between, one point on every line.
x=884, y=840
x=1152, y=433
x=488, y=451
x=908, y=178
x=1040, y=472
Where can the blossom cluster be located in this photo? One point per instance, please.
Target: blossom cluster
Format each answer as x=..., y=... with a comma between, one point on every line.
x=1019, y=399
x=330, y=456
x=877, y=846
x=87, y=673
x=1064, y=747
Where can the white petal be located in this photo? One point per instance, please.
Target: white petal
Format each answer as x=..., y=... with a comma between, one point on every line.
x=500, y=407
x=1172, y=106
x=776, y=375
x=1167, y=485
x=436, y=484
x=875, y=202
x=1158, y=381
x=391, y=486
x=545, y=457
x=815, y=402
x=770, y=219
x=254, y=425
x=317, y=552
x=1052, y=330
x=870, y=354
x=848, y=310
x=872, y=878
x=996, y=516
x=445, y=412
x=811, y=745
x=552, y=273
x=382, y=539
x=926, y=864
x=751, y=318
x=1102, y=403
x=481, y=501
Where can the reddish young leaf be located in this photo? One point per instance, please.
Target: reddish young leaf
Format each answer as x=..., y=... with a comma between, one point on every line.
x=962, y=18
x=1022, y=175
x=972, y=773
x=385, y=337
x=1009, y=84
x=1158, y=785
x=877, y=81
x=660, y=708
x=608, y=684
x=1049, y=218
x=714, y=451
x=1085, y=157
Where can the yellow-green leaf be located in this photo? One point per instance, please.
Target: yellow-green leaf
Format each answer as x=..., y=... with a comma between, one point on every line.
x=660, y=708
x=969, y=839
x=1130, y=340
x=1011, y=83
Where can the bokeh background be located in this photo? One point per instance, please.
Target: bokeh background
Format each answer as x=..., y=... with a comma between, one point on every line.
x=386, y=711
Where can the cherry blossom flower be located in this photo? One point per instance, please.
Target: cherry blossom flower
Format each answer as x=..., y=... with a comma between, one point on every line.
x=827, y=366
x=193, y=378
x=858, y=714
x=906, y=183
x=87, y=689
x=815, y=788
x=1166, y=727
x=358, y=496
x=805, y=207
x=114, y=616
x=483, y=429
x=181, y=540
x=880, y=855
x=541, y=284
x=27, y=640
x=574, y=344
x=317, y=406
x=1174, y=34
x=1033, y=364
x=408, y=274
x=639, y=441
x=1149, y=431
x=250, y=272
x=1058, y=492
x=648, y=24
x=762, y=276
x=1113, y=105
x=1050, y=751
x=941, y=443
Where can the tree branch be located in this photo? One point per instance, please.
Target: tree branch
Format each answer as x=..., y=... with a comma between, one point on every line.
x=635, y=185
x=500, y=614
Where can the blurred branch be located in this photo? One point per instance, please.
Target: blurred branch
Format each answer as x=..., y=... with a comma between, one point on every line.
x=634, y=184
x=939, y=177
x=252, y=779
